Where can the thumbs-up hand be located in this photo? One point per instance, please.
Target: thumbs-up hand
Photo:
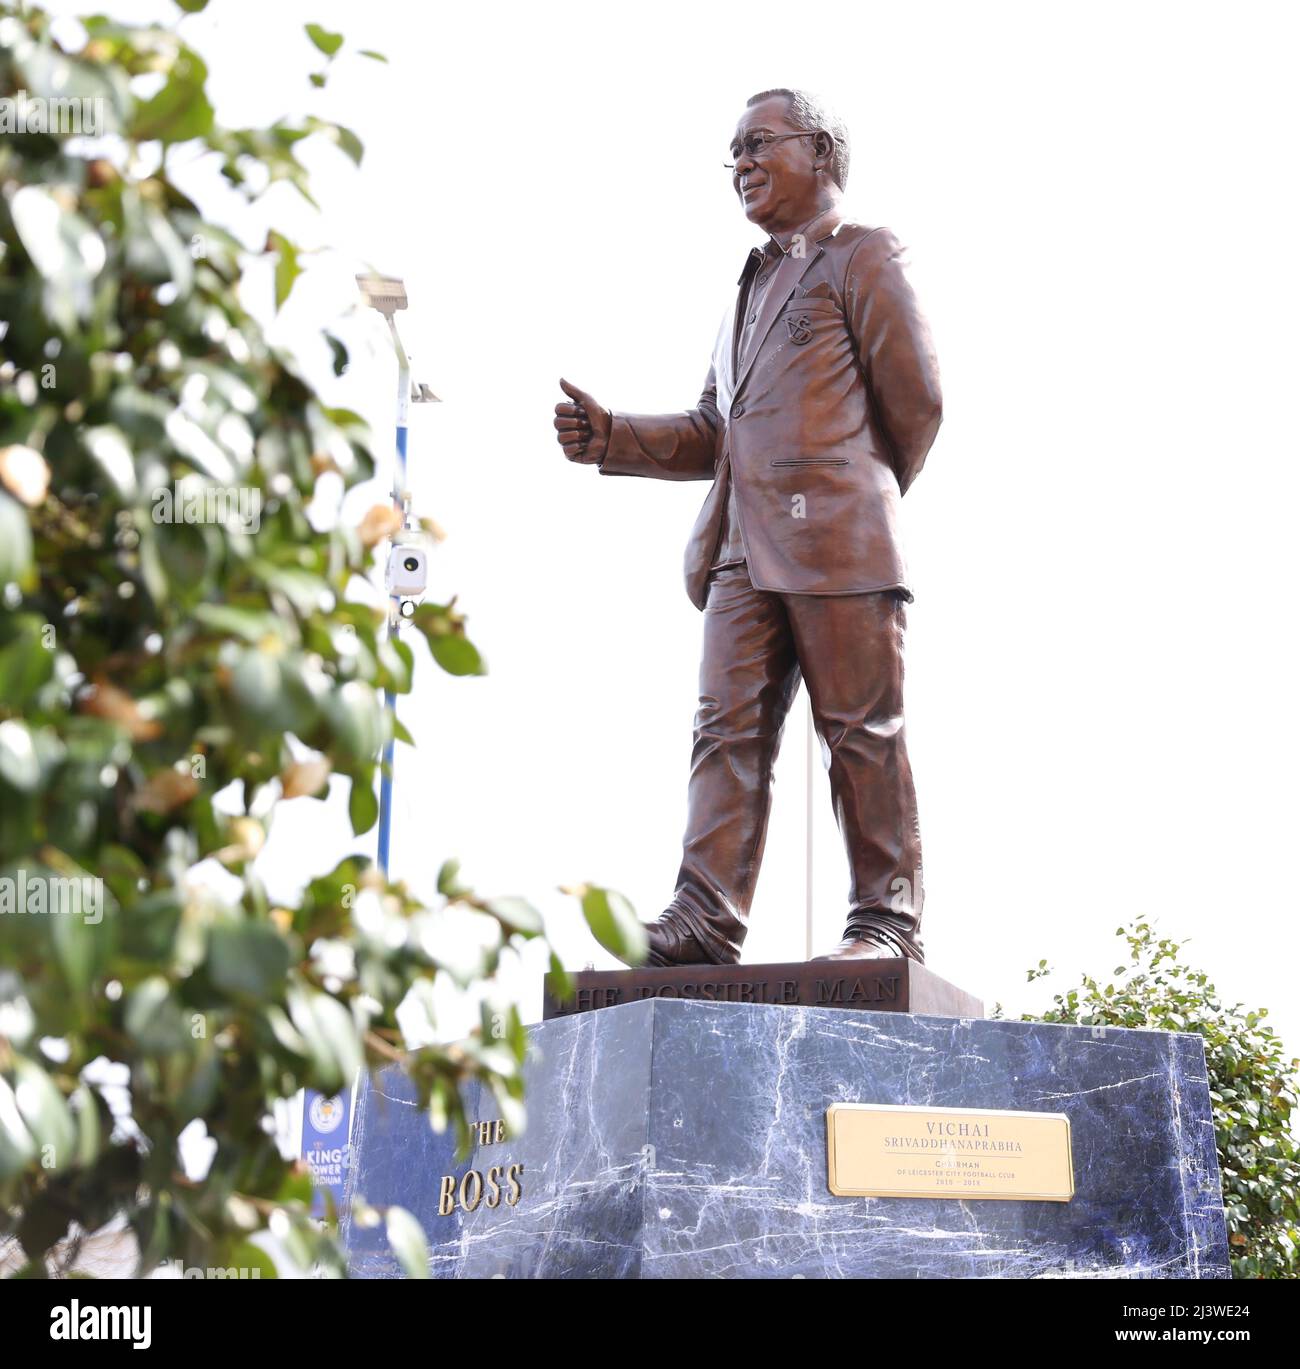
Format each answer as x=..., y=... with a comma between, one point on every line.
x=582, y=427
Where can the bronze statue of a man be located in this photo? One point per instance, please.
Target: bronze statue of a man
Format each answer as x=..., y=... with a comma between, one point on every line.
x=818, y=411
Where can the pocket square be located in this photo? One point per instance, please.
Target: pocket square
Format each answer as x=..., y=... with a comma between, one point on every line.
x=821, y=290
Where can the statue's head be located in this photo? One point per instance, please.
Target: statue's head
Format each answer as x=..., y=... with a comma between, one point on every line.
x=790, y=156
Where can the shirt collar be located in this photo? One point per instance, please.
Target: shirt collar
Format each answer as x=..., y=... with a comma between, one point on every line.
x=825, y=225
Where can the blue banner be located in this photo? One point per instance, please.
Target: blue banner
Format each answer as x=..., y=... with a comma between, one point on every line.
x=325, y=1144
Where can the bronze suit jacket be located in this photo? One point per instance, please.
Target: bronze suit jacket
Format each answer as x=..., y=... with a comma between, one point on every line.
x=824, y=424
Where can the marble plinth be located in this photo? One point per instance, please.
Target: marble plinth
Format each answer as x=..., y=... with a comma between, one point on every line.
x=683, y=1139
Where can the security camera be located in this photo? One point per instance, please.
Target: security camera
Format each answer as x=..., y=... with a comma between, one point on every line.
x=408, y=567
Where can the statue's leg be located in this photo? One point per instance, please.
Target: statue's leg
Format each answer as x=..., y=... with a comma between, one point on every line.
x=850, y=650
x=748, y=676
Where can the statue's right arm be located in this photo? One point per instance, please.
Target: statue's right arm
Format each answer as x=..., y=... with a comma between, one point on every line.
x=680, y=446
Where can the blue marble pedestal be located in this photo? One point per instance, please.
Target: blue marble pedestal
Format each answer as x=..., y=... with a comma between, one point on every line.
x=684, y=1139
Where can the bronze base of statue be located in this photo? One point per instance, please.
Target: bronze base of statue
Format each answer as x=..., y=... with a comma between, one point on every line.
x=895, y=984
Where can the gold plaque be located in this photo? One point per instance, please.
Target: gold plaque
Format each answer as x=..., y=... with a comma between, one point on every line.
x=881, y=1150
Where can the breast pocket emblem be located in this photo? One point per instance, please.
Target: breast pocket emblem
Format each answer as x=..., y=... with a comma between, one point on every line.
x=799, y=327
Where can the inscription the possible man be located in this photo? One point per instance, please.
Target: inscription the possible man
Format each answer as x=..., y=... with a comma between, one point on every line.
x=836, y=990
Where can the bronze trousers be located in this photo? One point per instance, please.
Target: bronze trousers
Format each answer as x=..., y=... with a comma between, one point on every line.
x=757, y=646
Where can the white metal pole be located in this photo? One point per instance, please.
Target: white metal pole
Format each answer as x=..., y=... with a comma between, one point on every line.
x=395, y=602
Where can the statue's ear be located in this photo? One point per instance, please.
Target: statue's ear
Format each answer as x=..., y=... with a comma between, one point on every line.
x=823, y=145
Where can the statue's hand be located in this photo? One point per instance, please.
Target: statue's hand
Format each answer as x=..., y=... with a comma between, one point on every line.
x=582, y=428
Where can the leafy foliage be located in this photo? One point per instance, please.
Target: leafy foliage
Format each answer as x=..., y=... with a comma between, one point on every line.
x=1253, y=1088
x=167, y=680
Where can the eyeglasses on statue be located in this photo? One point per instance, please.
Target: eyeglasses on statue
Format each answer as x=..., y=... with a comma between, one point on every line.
x=756, y=144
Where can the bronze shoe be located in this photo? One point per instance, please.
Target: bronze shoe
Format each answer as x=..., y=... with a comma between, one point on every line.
x=868, y=944
x=670, y=944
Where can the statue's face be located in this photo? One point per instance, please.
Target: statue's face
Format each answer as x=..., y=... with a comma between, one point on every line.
x=778, y=187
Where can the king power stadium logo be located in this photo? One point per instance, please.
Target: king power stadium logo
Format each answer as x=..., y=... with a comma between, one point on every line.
x=326, y=1114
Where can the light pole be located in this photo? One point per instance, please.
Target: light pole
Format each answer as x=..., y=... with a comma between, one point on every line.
x=406, y=579
x=387, y=294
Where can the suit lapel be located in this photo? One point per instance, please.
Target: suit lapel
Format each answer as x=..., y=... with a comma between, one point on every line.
x=787, y=276
x=725, y=361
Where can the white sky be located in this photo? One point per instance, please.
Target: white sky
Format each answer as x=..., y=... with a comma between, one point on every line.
x=1099, y=201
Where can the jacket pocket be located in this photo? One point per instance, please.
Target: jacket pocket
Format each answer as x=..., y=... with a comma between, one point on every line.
x=810, y=304
x=812, y=461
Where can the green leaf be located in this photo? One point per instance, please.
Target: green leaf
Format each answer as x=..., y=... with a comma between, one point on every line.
x=340, y=135
x=329, y=43
x=251, y=624
x=305, y=591
x=614, y=923
x=338, y=352
x=25, y=661
x=78, y=946
x=363, y=806
x=449, y=885
x=63, y=247
x=16, y=564
x=249, y=958
x=251, y=1257
x=562, y=985
x=406, y=1236
x=516, y=915
x=401, y=732
x=287, y=269
x=448, y=645
x=331, y=1037
x=45, y=1113
x=374, y=56
x=152, y=1018
x=199, y=1093
x=257, y=683
x=457, y=655
x=297, y=1187
x=343, y=418
x=285, y=1032
x=357, y=719
x=19, y=766
x=180, y=110
x=16, y=1144
x=397, y=663
x=154, y=251
x=85, y=1107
